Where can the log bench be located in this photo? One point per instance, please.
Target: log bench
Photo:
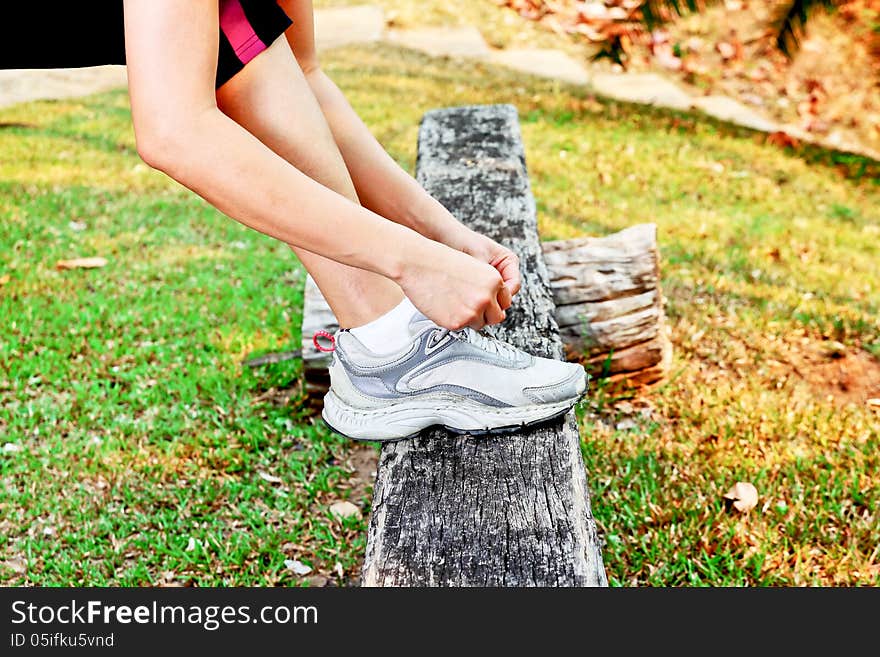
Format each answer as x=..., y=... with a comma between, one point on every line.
x=510, y=510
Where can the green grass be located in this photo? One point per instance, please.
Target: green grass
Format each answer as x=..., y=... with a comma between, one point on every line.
x=139, y=430
x=141, y=434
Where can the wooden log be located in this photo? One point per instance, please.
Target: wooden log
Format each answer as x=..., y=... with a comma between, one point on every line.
x=508, y=510
x=317, y=316
x=609, y=304
x=602, y=268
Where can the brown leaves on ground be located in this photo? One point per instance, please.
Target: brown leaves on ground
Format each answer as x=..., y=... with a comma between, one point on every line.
x=730, y=50
x=743, y=496
x=828, y=88
x=81, y=263
x=597, y=21
x=169, y=580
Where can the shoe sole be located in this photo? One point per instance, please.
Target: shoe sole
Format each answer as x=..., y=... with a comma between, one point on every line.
x=546, y=413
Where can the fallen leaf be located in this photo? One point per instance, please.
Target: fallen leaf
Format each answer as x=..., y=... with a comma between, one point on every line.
x=16, y=564
x=298, y=567
x=726, y=50
x=782, y=139
x=318, y=580
x=5, y=278
x=743, y=496
x=594, y=11
x=874, y=402
x=272, y=479
x=11, y=448
x=665, y=57
x=694, y=44
x=345, y=509
x=81, y=263
x=834, y=349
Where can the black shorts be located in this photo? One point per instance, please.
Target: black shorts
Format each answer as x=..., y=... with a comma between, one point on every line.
x=74, y=34
x=247, y=28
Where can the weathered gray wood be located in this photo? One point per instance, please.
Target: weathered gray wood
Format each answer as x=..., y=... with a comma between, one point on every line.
x=500, y=510
x=317, y=316
x=275, y=357
x=640, y=364
x=609, y=304
x=602, y=268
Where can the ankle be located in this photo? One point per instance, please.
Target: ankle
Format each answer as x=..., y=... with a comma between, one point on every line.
x=361, y=308
x=390, y=331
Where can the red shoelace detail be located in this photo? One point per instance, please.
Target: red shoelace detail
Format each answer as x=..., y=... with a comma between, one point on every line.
x=324, y=334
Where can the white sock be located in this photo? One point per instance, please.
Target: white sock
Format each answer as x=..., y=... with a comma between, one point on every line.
x=389, y=332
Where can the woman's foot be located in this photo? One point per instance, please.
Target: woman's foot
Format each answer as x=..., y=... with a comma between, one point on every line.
x=463, y=380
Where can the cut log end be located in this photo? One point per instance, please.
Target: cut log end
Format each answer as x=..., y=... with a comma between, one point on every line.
x=609, y=304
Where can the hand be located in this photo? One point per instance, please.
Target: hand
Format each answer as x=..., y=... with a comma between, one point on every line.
x=453, y=288
x=488, y=250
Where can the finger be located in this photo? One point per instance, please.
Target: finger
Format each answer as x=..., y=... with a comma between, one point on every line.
x=493, y=314
x=504, y=297
x=514, y=286
x=509, y=270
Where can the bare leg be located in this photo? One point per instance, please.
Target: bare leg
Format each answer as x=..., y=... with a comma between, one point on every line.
x=271, y=99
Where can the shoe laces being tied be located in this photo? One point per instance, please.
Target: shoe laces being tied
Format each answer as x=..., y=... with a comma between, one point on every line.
x=480, y=340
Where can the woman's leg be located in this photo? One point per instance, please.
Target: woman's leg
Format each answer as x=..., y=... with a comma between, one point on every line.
x=271, y=99
x=460, y=380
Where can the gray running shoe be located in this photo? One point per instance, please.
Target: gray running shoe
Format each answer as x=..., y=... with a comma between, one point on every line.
x=463, y=380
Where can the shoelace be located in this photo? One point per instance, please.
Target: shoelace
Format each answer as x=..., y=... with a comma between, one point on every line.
x=485, y=342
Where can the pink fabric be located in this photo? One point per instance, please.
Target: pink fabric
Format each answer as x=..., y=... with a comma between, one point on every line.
x=238, y=30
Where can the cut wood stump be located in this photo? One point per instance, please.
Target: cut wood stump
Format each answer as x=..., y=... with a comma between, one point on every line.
x=609, y=305
x=511, y=510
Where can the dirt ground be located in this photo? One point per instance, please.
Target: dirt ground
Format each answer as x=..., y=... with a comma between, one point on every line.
x=834, y=372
